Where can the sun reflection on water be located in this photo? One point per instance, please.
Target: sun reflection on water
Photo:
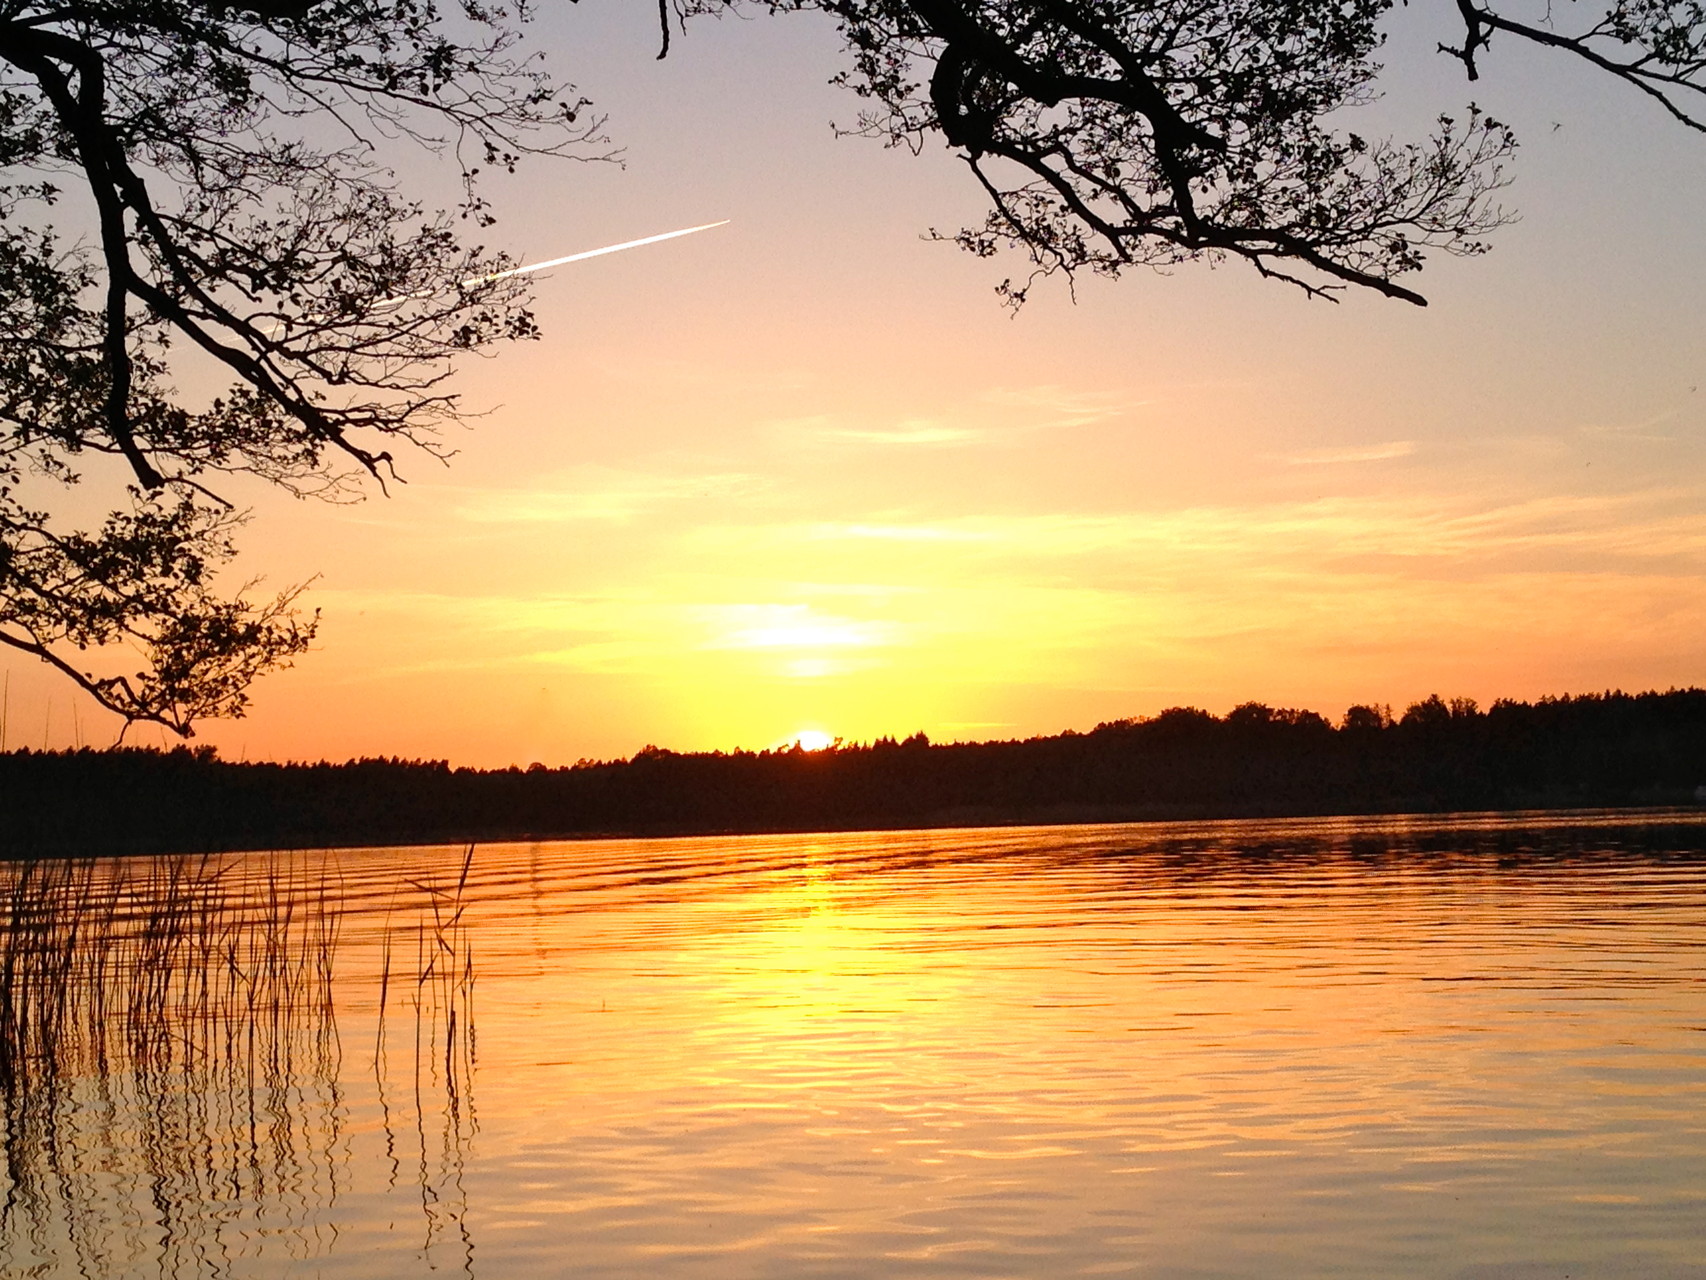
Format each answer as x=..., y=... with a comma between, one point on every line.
x=1244, y=1049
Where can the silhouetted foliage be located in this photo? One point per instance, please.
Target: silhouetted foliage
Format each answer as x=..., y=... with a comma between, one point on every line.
x=1595, y=750
x=225, y=157
x=1108, y=134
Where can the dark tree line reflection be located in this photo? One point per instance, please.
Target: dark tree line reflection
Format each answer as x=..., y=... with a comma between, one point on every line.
x=174, y=1088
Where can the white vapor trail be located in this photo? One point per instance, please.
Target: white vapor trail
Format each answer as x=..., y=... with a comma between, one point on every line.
x=594, y=253
x=385, y=304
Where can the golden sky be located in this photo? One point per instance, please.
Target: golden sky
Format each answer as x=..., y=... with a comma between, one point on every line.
x=804, y=472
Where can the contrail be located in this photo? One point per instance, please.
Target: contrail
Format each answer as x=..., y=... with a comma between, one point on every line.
x=593, y=253
x=385, y=304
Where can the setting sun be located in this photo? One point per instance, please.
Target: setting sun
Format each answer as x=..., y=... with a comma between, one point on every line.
x=1262, y=828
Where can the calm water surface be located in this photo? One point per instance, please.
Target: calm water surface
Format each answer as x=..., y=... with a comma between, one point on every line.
x=1468, y=1048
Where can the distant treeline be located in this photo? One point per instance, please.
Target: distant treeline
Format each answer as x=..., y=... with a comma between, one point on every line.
x=1595, y=750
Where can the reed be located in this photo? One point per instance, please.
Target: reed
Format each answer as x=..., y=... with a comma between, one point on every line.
x=441, y=998
x=170, y=1061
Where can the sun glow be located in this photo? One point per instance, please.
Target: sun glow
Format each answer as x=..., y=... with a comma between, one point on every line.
x=813, y=740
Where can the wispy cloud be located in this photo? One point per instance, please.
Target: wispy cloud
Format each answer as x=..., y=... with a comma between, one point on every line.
x=902, y=532
x=1004, y=416
x=599, y=494
x=1049, y=405
x=1369, y=593
x=788, y=626
x=1363, y=453
x=915, y=432
x=1647, y=430
x=1628, y=528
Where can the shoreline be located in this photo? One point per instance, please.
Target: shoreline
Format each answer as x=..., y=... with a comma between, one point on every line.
x=1607, y=751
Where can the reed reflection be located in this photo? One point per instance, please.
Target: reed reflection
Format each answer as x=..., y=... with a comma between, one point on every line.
x=440, y=999
x=172, y=1075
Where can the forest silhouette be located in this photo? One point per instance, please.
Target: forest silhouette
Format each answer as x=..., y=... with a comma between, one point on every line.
x=1610, y=749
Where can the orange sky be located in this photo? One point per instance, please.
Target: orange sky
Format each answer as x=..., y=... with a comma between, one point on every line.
x=803, y=471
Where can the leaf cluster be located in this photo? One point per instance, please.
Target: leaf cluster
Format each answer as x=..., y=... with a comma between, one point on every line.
x=1158, y=132
x=228, y=161
x=1108, y=134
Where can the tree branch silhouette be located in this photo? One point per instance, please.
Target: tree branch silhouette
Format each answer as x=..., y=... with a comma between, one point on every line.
x=193, y=136
x=1109, y=134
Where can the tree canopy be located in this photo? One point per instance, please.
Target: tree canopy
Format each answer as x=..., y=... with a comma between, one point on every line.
x=196, y=186
x=1109, y=134
x=223, y=158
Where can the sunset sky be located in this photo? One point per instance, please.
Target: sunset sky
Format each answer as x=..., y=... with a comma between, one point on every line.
x=805, y=472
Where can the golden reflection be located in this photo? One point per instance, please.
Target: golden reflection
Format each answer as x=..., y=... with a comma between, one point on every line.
x=904, y=957
x=1089, y=1048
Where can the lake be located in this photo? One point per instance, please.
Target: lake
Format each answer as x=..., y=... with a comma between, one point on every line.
x=1461, y=1047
